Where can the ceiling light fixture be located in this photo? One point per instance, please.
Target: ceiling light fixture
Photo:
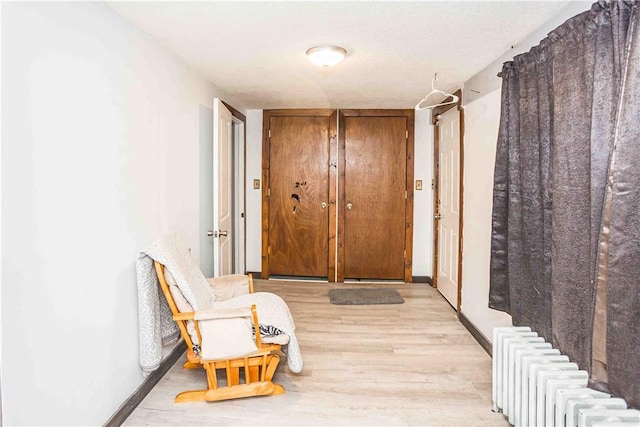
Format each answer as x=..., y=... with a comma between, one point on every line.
x=326, y=56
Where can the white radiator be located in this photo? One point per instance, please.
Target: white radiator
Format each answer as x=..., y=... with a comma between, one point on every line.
x=592, y=417
x=534, y=385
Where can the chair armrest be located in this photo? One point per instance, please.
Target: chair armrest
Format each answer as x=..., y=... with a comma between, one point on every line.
x=187, y=315
x=215, y=313
x=223, y=313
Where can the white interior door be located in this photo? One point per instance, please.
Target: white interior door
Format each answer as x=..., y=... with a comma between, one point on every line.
x=222, y=190
x=449, y=204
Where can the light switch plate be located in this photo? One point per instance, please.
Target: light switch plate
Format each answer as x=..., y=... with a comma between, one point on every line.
x=419, y=184
x=256, y=184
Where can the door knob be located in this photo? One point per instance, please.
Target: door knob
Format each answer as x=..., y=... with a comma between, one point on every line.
x=349, y=206
x=217, y=233
x=323, y=205
x=437, y=216
x=210, y=233
x=223, y=233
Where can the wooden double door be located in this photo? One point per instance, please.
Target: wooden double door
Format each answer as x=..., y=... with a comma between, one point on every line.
x=337, y=198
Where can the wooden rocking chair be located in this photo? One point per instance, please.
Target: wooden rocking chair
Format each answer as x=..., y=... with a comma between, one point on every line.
x=258, y=367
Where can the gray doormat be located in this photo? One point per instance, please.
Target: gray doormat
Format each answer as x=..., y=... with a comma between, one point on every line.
x=365, y=296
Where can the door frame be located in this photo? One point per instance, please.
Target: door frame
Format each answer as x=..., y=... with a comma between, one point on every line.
x=239, y=192
x=410, y=117
x=435, y=113
x=333, y=152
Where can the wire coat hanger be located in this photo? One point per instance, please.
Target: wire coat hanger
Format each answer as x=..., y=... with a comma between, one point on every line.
x=453, y=97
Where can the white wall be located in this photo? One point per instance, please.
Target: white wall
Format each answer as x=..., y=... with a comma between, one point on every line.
x=253, y=196
x=486, y=81
x=482, y=119
x=100, y=144
x=205, y=185
x=423, y=200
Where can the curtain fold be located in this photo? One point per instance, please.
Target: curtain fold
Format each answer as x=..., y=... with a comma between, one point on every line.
x=609, y=67
x=560, y=104
x=623, y=288
x=521, y=248
x=574, y=238
x=500, y=291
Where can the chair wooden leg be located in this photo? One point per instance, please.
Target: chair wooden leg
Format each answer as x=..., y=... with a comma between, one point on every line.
x=272, y=364
x=270, y=369
x=212, y=378
x=192, y=360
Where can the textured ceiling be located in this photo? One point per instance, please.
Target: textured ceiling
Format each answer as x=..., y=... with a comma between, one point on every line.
x=255, y=51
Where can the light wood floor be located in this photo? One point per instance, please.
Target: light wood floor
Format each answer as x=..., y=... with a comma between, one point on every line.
x=392, y=365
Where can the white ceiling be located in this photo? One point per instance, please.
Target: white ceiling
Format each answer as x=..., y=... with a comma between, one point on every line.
x=255, y=51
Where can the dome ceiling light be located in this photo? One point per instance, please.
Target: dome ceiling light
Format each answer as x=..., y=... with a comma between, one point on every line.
x=326, y=56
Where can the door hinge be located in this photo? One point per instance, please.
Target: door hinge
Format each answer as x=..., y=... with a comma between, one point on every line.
x=268, y=192
x=269, y=133
x=433, y=184
x=407, y=133
x=405, y=195
x=404, y=254
x=269, y=250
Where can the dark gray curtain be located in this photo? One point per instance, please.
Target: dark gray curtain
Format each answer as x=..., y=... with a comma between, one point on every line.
x=521, y=243
x=623, y=287
x=558, y=121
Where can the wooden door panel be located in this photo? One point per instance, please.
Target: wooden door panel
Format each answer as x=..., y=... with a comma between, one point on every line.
x=374, y=188
x=299, y=185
